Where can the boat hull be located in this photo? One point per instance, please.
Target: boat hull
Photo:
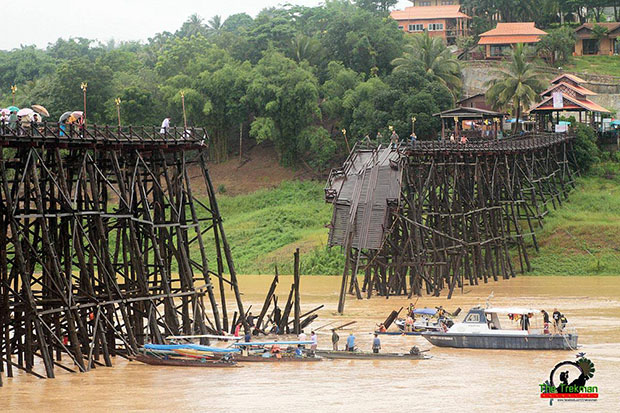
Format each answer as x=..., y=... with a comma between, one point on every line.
x=503, y=342
x=179, y=362
x=283, y=359
x=352, y=355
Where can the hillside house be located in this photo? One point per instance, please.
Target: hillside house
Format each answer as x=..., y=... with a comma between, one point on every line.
x=588, y=44
x=498, y=42
x=445, y=21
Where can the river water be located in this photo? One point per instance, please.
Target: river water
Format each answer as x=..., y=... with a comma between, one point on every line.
x=452, y=381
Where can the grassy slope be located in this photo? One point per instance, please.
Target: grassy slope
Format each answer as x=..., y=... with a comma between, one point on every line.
x=604, y=65
x=582, y=237
x=264, y=227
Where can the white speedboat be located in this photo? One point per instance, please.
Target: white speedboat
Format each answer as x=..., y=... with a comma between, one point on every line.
x=497, y=328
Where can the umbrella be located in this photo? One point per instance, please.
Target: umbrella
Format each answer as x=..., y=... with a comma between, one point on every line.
x=77, y=114
x=5, y=111
x=25, y=112
x=64, y=116
x=40, y=110
x=13, y=108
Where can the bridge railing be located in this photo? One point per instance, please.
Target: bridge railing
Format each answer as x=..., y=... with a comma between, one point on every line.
x=524, y=142
x=50, y=133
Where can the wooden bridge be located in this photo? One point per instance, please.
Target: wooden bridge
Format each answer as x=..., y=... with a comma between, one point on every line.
x=109, y=238
x=451, y=214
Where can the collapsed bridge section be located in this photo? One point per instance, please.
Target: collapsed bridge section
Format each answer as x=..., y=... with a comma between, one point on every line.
x=463, y=213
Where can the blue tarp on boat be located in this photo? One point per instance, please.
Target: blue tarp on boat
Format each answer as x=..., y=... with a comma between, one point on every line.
x=190, y=346
x=425, y=311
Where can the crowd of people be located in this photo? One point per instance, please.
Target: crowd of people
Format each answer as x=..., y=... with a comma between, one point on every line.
x=558, y=324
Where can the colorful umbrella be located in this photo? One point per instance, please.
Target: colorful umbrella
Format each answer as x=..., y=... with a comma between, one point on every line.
x=5, y=111
x=25, y=112
x=13, y=108
x=40, y=110
x=77, y=114
x=64, y=116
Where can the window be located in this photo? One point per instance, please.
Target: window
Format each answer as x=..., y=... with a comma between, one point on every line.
x=447, y=2
x=416, y=27
x=400, y=27
x=473, y=318
x=425, y=3
x=590, y=46
x=434, y=27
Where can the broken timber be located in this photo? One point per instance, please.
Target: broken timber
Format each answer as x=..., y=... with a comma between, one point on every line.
x=430, y=217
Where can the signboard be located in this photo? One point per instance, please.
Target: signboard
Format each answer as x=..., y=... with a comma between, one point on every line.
x=558, y=100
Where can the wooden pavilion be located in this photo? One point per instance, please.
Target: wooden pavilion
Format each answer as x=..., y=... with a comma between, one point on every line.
x=454, y=118
x=566, y=94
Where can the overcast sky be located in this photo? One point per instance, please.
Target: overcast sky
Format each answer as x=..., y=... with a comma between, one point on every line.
x=40, y=22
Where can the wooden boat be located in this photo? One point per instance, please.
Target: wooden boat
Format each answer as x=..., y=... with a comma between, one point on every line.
x=482, y=329
x=359, y=355
x=183, y=362
x=257, y=352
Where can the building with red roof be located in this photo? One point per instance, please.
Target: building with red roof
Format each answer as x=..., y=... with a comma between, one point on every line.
x=445, y=21
x=498, y=41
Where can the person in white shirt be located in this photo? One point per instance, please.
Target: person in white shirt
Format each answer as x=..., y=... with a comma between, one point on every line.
x=165, y=125
x=302, y=337
x=315, y=341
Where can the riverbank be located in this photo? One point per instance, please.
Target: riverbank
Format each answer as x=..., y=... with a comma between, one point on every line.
x=264, y=228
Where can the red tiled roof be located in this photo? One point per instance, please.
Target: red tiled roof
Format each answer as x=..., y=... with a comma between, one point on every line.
x=579, y=89
x=429, y=13
x=576, y=104
x=514, y=29
x=571, y=77
x=509, y=39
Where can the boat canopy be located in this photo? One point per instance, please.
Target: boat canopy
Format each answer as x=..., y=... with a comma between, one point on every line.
x=425, y=311
x=271, y=343
x=190, y=346
x=511, y=310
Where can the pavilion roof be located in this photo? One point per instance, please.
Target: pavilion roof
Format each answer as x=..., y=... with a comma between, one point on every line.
x=469, y=113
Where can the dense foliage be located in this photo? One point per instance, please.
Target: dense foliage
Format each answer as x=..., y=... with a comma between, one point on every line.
x=295, y=76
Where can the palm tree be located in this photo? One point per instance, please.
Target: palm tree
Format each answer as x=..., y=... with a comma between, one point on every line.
x=215, y=24
x=517, y=83
x=430, y=54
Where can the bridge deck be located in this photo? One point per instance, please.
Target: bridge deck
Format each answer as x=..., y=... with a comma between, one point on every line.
x=51, y=134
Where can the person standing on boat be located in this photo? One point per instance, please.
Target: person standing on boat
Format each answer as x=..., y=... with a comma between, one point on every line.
x=525, y=322
x=545, y=321
x=315, y=342
x=376, y=344
x=302, y=337
x=351, y=342
x=409, y=324
x=335, y=339
x=248, y=336
x=556, y=320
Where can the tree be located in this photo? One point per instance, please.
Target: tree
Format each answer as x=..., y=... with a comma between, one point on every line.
x=433, y=57
x=518, y=84
x=192, y=27
x=599, y=33
x=467, y=44
x=215, y=25
x=382, y=6
x=225, y=104
x=585, y=149
x=558, y=45
x=284, y=96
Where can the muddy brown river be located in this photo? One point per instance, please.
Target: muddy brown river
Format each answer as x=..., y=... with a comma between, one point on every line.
x=454, y=380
